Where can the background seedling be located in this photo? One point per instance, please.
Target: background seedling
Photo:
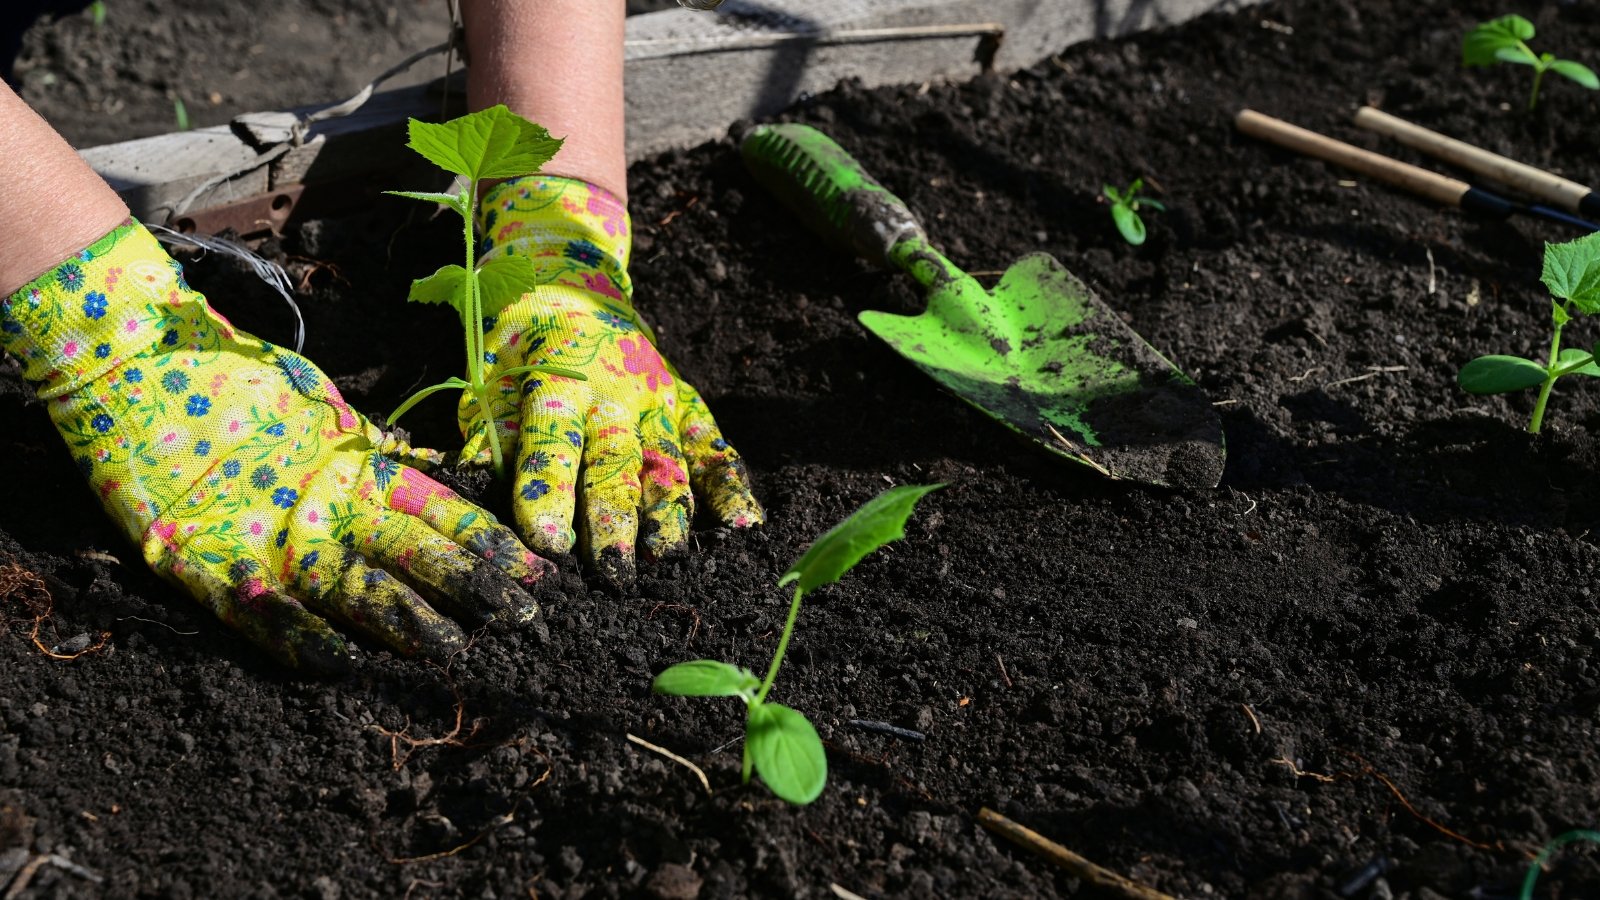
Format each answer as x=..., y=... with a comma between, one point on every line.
x=490, y=143
x=1506, y=40
x=779, y=742
x=1125, y=206
x=1572, y=273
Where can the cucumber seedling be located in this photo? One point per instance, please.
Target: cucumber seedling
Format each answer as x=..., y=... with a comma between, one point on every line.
x=1125, y=206
x=1572, y=273
x=490, y=143
x=1505, y=40
x=780, y=743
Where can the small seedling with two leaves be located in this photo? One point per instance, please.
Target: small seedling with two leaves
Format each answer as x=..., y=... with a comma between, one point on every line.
x=490, y=143
x=780, y=744
x=1505, y=40
x=1125, y=205
x=1572, y=273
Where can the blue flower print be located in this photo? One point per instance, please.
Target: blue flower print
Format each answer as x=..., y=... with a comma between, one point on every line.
x=101, y=351
x=94, y=304
x=584, y=253
x=230, y=469
x=383, y=469
x=535, y=489
x=242, y=569
x=490, y=357
x=719, y=444
x=275, y=429
x=264, y=477
x=575, y=439
x=170, y=338
x=102, y=423
x=285, y=497
x=203, y=448
x=610, y=317
x=282, y=538
x=86, y=465
x=70, y=277
x=299, y=373
x=536, y=461
x=310, y=559
x=133, y=376
x=198, y=405
x=175, y=382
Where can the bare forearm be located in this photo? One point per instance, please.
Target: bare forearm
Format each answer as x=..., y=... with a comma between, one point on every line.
x=559, y=63
x=52, y=203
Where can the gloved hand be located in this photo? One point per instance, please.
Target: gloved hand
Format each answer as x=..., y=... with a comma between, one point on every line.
x=244, y=476
x=630, y=440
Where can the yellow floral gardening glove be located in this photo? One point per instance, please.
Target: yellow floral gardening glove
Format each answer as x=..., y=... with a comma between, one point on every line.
x=620, y=451
x=243, y=475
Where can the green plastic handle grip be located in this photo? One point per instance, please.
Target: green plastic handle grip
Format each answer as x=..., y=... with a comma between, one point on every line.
x=829, y=190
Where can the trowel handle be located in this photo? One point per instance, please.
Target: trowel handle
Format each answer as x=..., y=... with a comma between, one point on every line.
x=829, y=190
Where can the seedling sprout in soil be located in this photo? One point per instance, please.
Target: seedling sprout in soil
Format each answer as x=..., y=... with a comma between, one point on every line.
x=779, y=742
x=490, y=143
x=1506, y=40
x=1125, y=210
x=1572, y=273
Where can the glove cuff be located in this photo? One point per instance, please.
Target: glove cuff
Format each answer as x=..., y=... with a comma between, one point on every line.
x=117, y=298
x=577, y=234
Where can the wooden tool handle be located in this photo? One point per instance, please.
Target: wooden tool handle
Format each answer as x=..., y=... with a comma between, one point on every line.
x=1428, y=184
x=1569, y=195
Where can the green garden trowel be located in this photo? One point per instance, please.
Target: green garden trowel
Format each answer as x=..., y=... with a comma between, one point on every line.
x=1040, y=352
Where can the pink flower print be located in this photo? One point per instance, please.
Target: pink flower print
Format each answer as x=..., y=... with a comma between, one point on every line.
x=312, y=517
x=70, y=350
x=663, y=470
x=413, y=490
x=130, y=326
x=600, y=283
x=642, y=359
x=256, y=528
x=165, y=532
x=606, y=207
x=112, y=275
x=169, y=437
x=569, y=206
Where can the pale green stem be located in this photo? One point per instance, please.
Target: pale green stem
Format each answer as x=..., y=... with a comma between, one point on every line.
x=1549, y=382
x=475, y=337
x=1533, y=98
x=783, y=647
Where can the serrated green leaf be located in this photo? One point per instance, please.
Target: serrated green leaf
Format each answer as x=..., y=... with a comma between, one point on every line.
x=879, y=521
x=1573, y=356
x=787, y=753
x=444, y=286
x=1516, y=54
x=489, y=143
x=705, y=678
x=454, y=201
x=1572, y=272
x=1129, y=223
x=1481, y=44
x=503, y=280
x=1500, y=375
x=1578, y=72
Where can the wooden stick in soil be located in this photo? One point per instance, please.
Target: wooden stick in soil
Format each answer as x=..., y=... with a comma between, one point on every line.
x=1097, y=876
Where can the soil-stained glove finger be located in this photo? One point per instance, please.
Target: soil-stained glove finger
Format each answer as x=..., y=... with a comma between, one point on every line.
x=545, y=488
x=718, y=474
x=469, y=525
x=667, y=501
x=373, y=602
x=472, y=589
x=253, y=604
x=503, y=407
x=609, y=515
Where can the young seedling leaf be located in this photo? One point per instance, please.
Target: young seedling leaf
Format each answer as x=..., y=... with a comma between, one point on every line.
x=542, y=369
x=443, y=286
x=881, y=520
x=1500, y=375
x=1153, y=204
x=451, y=200
x=490, y=143
x=1572, y=272
x=787, y=753
x=1573, y=356
x=1522, y=56
x=705, y=678
x=503, y=280
x=1578, y=72
x=1112, y=194
x=1481, y=44
x=1129, y=223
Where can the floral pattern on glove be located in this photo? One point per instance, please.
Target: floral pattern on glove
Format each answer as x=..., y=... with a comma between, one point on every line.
x=244, y=476
x=612, y=464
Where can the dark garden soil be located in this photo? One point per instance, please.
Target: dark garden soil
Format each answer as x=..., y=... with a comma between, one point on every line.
x=1372, y=650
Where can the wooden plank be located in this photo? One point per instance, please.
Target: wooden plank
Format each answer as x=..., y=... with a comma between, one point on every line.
x=153, y=175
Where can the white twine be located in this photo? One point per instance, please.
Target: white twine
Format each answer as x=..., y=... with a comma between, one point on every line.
x=265, y=269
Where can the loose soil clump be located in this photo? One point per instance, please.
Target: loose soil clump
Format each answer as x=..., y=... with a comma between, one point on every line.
x=1370, y=654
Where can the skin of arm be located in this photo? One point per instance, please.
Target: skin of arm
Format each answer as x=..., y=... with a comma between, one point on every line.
x=558, y=63
x=53, y=203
